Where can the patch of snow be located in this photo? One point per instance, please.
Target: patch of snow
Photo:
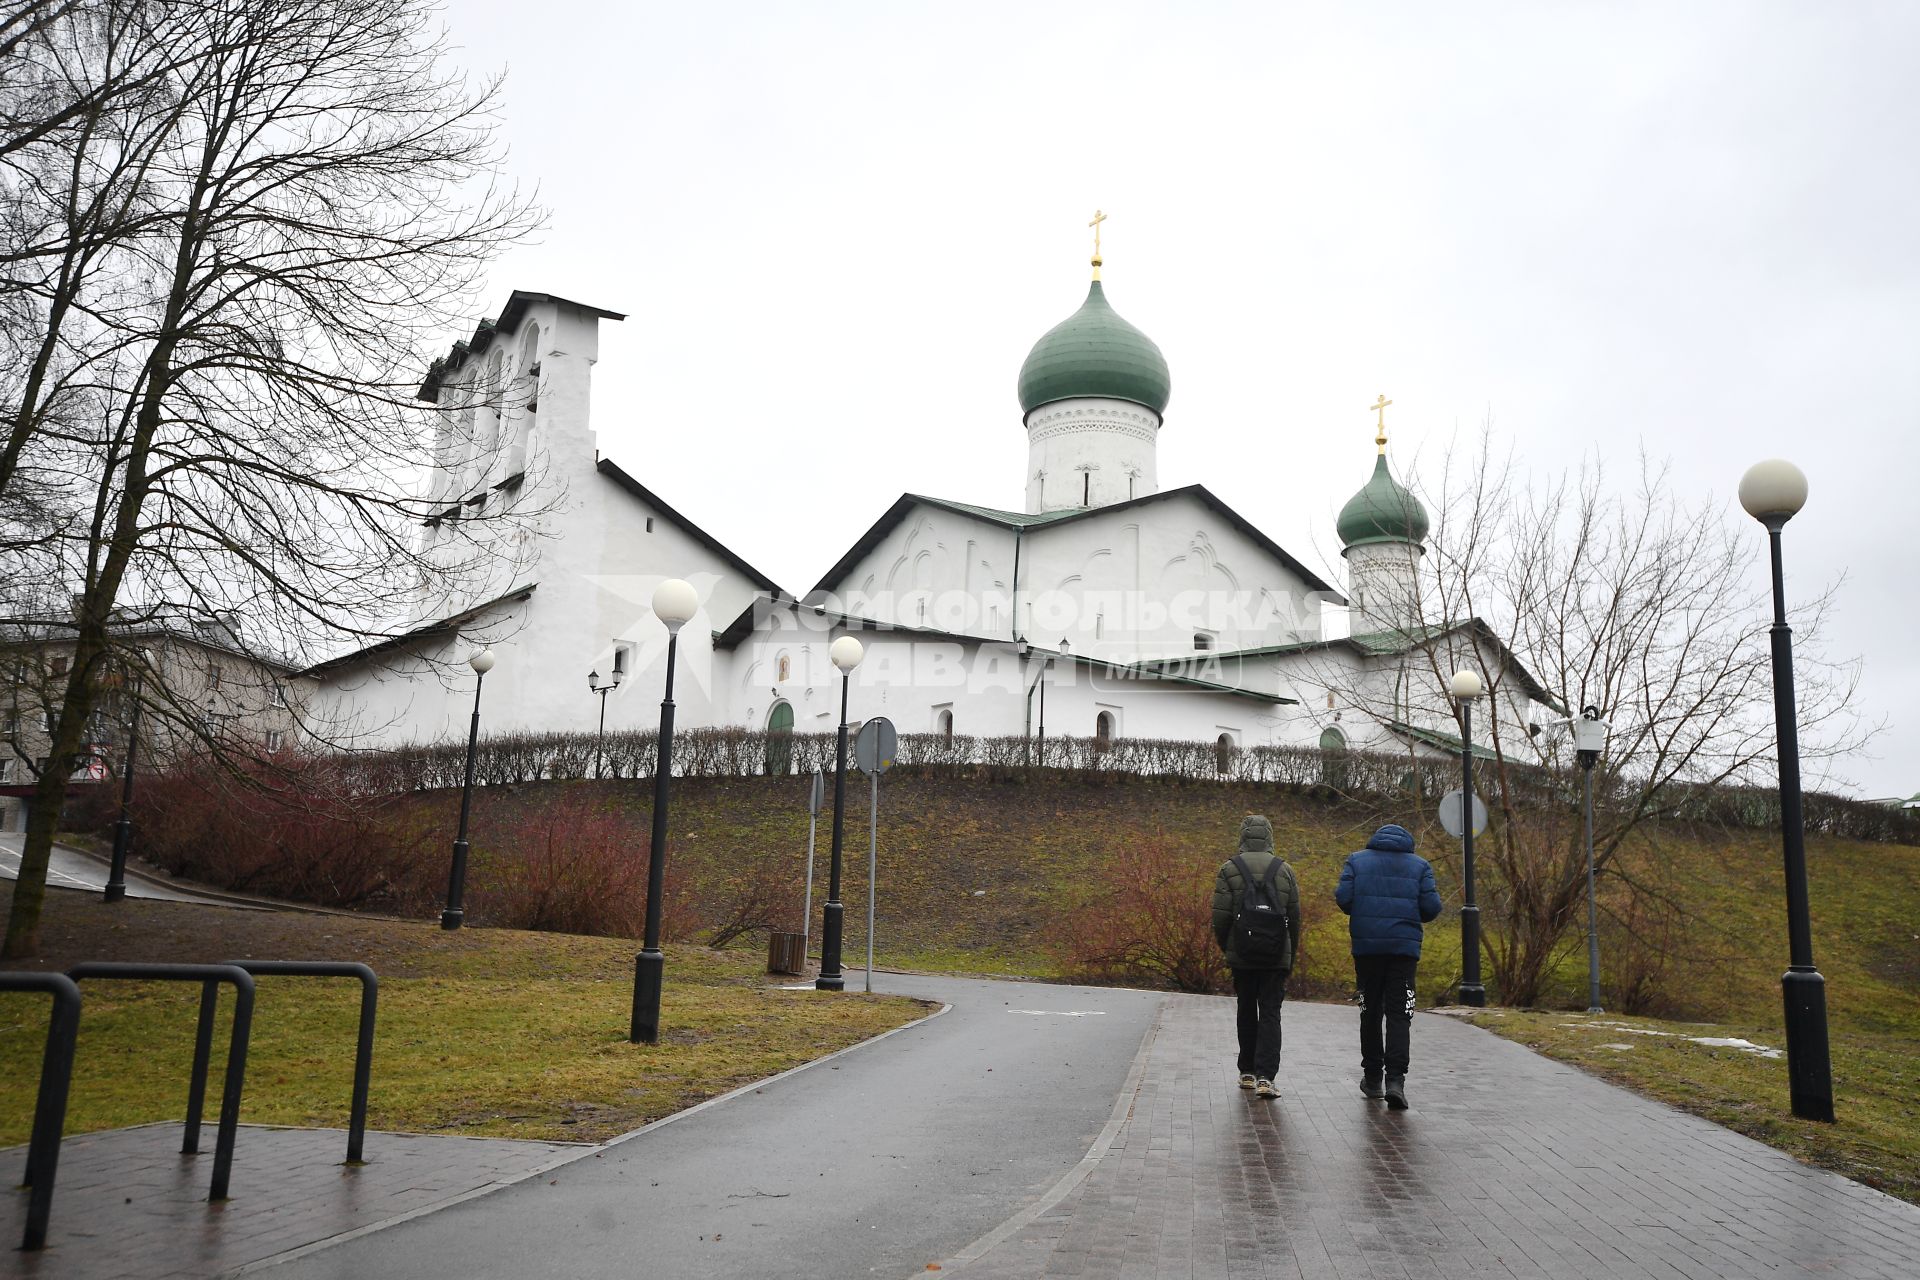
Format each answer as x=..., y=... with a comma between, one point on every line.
x=1745, y=1046
x=1616, y=1046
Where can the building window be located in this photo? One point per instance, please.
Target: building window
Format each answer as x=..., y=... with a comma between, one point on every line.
x=1202, y=641
x=6, y=770
x=1086, y=488
x=1224, y=751
x=60, y=665
x=1103, y=729
x=943, y=725
x=621, y=652
x=275, y=739
x=649, y=524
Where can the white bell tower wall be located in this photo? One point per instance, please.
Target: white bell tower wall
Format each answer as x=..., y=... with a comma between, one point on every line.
x=1383, y=586
x=1090, y=453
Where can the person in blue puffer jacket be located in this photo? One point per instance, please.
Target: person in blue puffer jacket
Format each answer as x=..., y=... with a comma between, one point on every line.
x=1388, y=893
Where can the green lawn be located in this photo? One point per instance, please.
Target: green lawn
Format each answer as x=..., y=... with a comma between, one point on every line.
x=484, y=1032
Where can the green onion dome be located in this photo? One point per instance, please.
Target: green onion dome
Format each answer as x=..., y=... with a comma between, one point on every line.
x=1093, y=352
x=1383, y=511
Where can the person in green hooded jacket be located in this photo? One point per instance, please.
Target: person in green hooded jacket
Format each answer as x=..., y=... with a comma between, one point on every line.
x=1260, y=984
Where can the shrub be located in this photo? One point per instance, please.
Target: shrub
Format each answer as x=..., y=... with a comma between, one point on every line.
x=293, y=829
x=1148, y=923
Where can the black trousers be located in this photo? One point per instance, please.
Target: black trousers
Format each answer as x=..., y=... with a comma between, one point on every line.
x=1261, y=992
x=1386, y=995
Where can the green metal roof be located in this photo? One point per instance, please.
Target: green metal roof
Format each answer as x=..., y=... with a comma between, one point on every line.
x=1448, y=742
x=1093, y=352
x=1383, y=511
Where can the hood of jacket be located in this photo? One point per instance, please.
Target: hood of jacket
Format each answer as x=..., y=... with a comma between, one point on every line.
x=1392, y=838
x=1256, y=835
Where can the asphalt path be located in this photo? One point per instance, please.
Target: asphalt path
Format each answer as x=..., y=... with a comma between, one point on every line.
x=877, y=1162
x=73, y=869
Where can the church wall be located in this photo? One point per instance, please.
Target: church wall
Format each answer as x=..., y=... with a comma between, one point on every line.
x=595, y=553
x=1090, y=453
x=1143, y=581
x=938, y=569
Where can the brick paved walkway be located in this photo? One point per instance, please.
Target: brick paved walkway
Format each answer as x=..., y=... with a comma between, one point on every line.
x=1509, y=1165
x=127, y=1204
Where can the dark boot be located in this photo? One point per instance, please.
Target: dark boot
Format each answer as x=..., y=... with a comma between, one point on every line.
x=1397, y=1093
x=1370, y=1085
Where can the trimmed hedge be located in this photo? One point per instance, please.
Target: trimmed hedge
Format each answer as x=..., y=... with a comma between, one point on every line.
x=743, y=753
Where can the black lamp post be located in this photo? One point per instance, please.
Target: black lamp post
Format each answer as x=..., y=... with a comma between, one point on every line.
x=600, y=738
x=846, y=653
x=674, y=603
x=481, y=662
x=1589, y=740
x=1465, y=686
x=123, y=829
x=1773, y=493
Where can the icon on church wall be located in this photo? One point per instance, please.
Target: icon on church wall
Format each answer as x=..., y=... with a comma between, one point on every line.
x=786, y=668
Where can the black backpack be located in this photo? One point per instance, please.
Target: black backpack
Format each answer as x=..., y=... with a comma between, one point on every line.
x=1260, y=929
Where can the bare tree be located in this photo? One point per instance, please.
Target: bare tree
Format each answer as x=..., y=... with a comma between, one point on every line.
x=312, y=206
x=1567, y=593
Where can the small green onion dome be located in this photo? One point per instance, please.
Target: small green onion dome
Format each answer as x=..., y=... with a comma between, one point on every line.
x=1093, y=352
x=1382, y=512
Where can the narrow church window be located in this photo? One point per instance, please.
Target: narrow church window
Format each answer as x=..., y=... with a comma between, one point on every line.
x=946, y=726
x=1099, y=626
x=620, y=654
x=1223, y=753
x=1103, y=729
x=649, y=524
x=1202, y=641
x=1086, y=489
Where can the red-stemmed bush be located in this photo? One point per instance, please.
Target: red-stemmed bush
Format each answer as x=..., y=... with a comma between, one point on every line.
x=1147, y=922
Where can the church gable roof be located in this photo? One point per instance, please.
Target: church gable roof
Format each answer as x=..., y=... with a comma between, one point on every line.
x=607, y=468
x=1022, y=521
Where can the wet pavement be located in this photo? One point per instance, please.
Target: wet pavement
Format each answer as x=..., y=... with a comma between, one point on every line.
x=1508, y=1165
x=127, y=1204
x=1062, y=1131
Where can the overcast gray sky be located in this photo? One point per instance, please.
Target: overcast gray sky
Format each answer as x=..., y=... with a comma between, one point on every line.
x=837, y=229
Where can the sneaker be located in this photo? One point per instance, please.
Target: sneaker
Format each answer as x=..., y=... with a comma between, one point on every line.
x=1246, y=1080
x=1370, y=1086
x=1397, y=1092
x=1264, y=1088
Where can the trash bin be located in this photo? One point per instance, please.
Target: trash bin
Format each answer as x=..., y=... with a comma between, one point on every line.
x=786, y=952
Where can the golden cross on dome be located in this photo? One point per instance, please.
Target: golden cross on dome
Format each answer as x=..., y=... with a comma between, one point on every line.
x=1098, y=218
x=1380, y=424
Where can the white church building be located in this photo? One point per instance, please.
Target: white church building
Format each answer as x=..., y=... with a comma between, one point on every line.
x=1144, y=611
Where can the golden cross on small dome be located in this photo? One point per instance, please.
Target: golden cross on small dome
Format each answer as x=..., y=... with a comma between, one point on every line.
x=1098, y=218
x=1380, y=424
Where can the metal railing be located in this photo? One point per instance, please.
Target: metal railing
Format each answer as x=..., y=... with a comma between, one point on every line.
x=363, y=1052
x=50, y=1108
x=209, y=976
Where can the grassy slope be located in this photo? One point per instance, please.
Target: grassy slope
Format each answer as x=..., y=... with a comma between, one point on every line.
x=481, y=1032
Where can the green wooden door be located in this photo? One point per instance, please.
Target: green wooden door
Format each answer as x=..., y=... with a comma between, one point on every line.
x=780, y=739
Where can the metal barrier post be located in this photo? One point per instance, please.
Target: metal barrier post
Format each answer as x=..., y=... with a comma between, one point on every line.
x=50, y=1107
x=202, y=1056
x=236, y=1073
x=363, y=1051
